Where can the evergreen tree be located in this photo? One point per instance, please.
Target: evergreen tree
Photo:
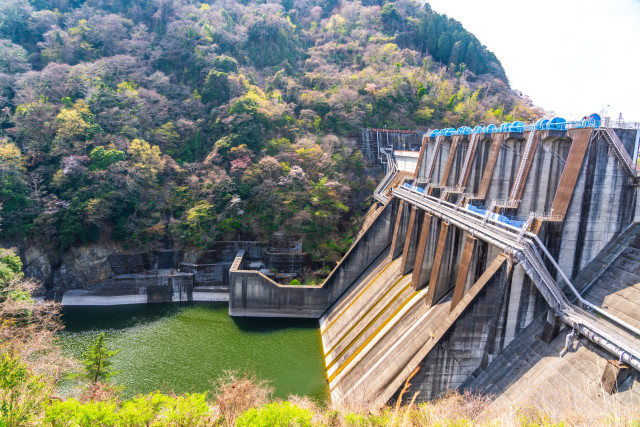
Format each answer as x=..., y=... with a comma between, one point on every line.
x=97, y=366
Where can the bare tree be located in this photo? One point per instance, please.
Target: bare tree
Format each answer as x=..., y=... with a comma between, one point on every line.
x=36, y=192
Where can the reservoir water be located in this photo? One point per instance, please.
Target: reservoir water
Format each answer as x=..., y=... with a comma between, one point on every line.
x=185, y=347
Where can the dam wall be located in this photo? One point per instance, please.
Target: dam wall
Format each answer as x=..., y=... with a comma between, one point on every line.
x=454, y=283
x=574, y=173
x=603, y=203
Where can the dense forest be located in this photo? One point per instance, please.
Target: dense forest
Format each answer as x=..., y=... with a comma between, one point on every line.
x=155, y=123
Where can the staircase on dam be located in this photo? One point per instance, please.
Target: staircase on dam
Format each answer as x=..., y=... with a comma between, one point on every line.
x=440, y=293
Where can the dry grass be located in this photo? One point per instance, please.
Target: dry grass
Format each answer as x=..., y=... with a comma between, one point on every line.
x=100, y=392
x=555, y=407
x=454, y=407
x=551, y=408
x=237, y=392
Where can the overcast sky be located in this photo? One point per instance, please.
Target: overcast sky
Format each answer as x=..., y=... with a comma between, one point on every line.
x=572, y=57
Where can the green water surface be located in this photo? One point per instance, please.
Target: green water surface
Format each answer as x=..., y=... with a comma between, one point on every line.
x=184, y=347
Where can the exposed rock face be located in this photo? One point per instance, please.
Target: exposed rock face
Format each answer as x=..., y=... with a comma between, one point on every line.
x=84, y=266
x=79, y=268
x=37, y=265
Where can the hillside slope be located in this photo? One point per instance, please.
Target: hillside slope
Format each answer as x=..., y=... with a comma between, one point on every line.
x=172, y=123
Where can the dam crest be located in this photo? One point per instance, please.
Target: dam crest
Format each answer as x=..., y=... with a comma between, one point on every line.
x=501, y=260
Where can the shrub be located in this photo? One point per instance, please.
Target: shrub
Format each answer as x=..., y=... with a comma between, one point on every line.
x=102, y=159
x=276, y=414
x=216, y=88
x=21, y=393
x=225, y=63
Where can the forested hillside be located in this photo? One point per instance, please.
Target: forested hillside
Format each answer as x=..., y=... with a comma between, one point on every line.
x=156, y=123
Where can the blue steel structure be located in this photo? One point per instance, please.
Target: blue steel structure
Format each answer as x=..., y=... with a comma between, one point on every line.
x=556, y=123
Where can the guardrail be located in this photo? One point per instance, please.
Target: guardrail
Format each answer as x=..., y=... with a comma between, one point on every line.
x=619, y=124
x=392, y=169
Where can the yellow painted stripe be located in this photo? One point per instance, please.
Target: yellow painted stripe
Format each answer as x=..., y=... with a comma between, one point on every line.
x=352, y=302
x=353, y=341
x=477, y=287
x=355, y=322
x=367, y=341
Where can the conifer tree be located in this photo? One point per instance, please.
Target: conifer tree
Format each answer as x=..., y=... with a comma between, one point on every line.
x=97, y=366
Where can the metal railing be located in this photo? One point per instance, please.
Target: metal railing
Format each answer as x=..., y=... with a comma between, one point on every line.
x=392, y=169
x=467, y=158
x=523, y=165
x=619, y=150
x=557, y=126
x=608, y=122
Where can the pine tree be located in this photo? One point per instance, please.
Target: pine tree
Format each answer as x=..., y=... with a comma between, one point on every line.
x=97, y=366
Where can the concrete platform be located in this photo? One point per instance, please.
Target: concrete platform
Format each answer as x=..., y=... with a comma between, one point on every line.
x=80, y=297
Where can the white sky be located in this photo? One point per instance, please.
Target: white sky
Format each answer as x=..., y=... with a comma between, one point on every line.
x=572, y=57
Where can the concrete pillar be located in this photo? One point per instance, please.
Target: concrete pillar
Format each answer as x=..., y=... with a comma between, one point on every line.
x=513, y=309
x=433, y=281
x=490, y=165
x=396, y=230
x=423, y=149
x=551, y=327
x=409, y=244
x=580, y=142
x=422, y=245
x=463, y=270
x=525, y=165
x=452, y=155
x=471, y=148
x=503, y=285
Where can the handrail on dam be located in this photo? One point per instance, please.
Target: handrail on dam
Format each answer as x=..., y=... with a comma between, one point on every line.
x=378, y=193
x=505, y=237
x=619, y=150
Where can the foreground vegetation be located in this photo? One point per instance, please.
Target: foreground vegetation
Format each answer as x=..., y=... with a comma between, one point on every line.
x=177, y=123
x=31, y=368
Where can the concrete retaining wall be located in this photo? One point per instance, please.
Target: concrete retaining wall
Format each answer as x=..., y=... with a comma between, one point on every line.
x=253, y=294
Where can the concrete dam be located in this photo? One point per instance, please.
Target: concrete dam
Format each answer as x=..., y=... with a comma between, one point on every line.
x=501, y=260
